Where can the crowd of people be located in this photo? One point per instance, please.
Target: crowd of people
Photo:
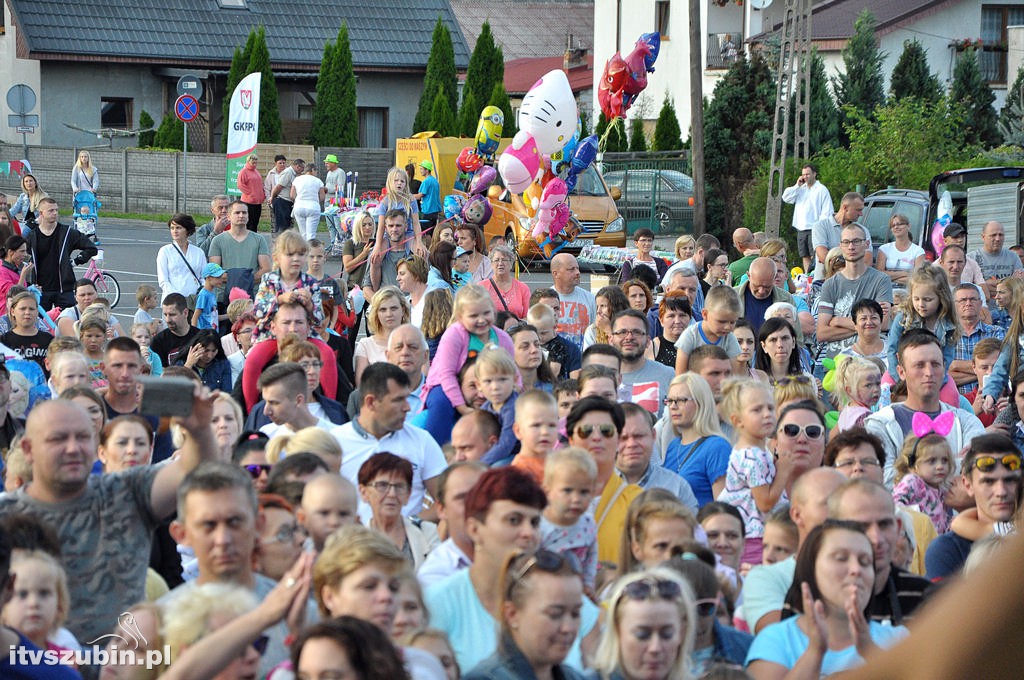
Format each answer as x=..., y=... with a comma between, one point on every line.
x=418, y=466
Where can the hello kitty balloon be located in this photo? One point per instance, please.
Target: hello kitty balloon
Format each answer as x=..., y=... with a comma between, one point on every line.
x=548, y=112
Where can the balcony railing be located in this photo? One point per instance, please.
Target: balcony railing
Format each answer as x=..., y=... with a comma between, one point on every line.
x=723, y=49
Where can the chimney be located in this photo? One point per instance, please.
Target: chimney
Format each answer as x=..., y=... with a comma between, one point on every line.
x=574, y=57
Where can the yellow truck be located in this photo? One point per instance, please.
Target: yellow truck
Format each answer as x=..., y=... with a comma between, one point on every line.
x=592, y=203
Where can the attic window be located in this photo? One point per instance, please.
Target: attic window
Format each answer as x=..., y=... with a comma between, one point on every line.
x=232, y=4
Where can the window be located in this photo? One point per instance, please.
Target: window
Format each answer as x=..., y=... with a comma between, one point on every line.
x=305, y=112
x=992, y=58
x=661, y=18
x=116, y=112
x=373, y=127
x=231, y=4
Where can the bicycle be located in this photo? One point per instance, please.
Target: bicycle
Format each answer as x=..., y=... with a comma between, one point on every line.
x=107, y=286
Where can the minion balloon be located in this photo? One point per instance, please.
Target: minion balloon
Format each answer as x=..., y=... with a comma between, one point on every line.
x=488, y=131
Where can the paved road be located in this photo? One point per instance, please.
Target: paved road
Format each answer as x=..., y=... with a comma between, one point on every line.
x=130, y=248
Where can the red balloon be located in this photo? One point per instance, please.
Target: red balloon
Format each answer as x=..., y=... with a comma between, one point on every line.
x=609, y=92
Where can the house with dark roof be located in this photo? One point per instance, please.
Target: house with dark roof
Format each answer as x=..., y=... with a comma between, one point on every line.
x=943, y=27
x=528, y=28
x=98, y=63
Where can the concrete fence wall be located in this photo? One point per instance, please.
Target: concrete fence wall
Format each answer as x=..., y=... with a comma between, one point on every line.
x=153, y=182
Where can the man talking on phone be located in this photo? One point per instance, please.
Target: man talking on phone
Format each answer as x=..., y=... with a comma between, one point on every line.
x=812, y=203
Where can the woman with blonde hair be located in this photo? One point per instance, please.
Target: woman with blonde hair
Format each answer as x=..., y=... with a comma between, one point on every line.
x=84, y=176
x=388, y=310
x=26, y=208
x=700, y=452
x=656, y=523
x=315, y=440
x=652, y=622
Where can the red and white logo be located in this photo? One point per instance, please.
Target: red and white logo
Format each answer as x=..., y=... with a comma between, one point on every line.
x=246, y=96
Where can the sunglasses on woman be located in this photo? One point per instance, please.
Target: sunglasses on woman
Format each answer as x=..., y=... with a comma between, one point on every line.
x=545, y=560
x=584, y=431
x=793, y=431
x=647, y=589
x=256, y=470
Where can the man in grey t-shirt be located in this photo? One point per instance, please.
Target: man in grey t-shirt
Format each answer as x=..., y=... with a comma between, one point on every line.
x=105, y=523
x=856, y=281
x=646, y=379
x=577, y=306
x=996, y=262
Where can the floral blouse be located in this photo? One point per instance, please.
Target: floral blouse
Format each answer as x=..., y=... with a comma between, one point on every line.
x=914, y=493
x=748, y=469
x=265, y=304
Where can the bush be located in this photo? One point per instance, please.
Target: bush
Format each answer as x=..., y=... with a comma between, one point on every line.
x=146, y=136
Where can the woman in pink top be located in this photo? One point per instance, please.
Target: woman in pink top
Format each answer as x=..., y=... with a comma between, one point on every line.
x=508, y=293
x=253, y=194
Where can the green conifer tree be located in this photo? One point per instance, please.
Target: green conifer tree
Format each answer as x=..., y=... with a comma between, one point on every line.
x=441, y=72
x=348, y=113
x=239, y=64
x=500, y=99
x=667, y=135
x=911, y=76
x=270, y=113
x=973, y=98
x=862, y=83
x=442, y=118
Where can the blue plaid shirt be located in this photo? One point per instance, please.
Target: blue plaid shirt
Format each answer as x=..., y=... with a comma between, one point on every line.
x=966, y=344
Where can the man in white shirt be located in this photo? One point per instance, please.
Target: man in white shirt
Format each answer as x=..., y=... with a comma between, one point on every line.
x=456, y=552
x=812, y=203
x=284, y=390
x=380, y=426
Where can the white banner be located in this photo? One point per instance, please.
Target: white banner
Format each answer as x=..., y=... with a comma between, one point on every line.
x=243, y=128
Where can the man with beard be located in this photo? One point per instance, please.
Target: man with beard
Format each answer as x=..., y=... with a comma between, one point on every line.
x=646, y=379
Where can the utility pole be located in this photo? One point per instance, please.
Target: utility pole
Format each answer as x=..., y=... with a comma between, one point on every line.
x=697, y=120
x=794, y=60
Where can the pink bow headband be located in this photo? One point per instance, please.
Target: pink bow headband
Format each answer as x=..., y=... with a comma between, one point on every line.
x=941, y=425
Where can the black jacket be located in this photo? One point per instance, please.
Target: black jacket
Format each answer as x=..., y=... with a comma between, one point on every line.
x=70, y=240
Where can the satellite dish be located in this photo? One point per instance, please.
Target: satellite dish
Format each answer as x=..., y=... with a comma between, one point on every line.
x=760, y=4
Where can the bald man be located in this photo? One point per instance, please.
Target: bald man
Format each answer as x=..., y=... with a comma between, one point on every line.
x=407, y=349
x=759, y=292
x=826, y=233
x=743, y=242
x=577, y=306
x=764, y=591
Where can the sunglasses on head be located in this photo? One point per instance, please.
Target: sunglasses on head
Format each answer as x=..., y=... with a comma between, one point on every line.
x=793, y=431
x=646, y=589
x=545, y=560
x=987, y=463
x=256, y=470
x=797, y=379
x=584, y=431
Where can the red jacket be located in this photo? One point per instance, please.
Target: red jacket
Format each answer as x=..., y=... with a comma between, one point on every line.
x=251, y=185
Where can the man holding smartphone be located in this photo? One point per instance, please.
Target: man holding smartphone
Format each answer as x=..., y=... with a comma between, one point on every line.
x=812, y=203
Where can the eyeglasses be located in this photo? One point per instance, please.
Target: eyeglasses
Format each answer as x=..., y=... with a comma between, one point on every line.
x=852, y=242
x=256, y=470
x=245, y=331
x=286, y=534
x=968, y=301
x=400, y=489
x=648, y=588
x=500, y=260
x=1011, y=461
x=678, y=402
x=798, y=379
x=793, y=431
x=635, y=332
x=607, y=431
x=857, y=462
x=309, y=365
x=707, y=607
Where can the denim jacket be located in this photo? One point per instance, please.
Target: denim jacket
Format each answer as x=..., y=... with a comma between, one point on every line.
x=997, y=381
x=508, y=663
x=944, y=331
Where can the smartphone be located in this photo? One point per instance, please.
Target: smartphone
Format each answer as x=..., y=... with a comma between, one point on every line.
x=166, y=396
x=984, y=381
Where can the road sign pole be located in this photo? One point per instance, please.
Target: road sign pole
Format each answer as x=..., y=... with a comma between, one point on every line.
x=185, y=209
x=24, y=146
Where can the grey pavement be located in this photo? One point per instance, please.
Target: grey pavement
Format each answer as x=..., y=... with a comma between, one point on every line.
x=130, y=248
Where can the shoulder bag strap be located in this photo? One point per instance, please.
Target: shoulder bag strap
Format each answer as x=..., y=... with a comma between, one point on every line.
x=187, y=264
x=500, y=297
x=696, y=446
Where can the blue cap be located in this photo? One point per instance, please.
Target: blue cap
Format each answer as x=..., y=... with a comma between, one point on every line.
x=460, y=251
x=213, y=269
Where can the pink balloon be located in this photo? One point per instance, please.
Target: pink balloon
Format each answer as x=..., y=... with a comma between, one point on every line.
x=483, y=178
x=519, y=163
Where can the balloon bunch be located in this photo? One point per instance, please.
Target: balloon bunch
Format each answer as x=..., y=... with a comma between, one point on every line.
x=547, y=155
x=625, y=78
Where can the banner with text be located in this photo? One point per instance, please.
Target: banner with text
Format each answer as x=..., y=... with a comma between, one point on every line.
x=243, y=127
